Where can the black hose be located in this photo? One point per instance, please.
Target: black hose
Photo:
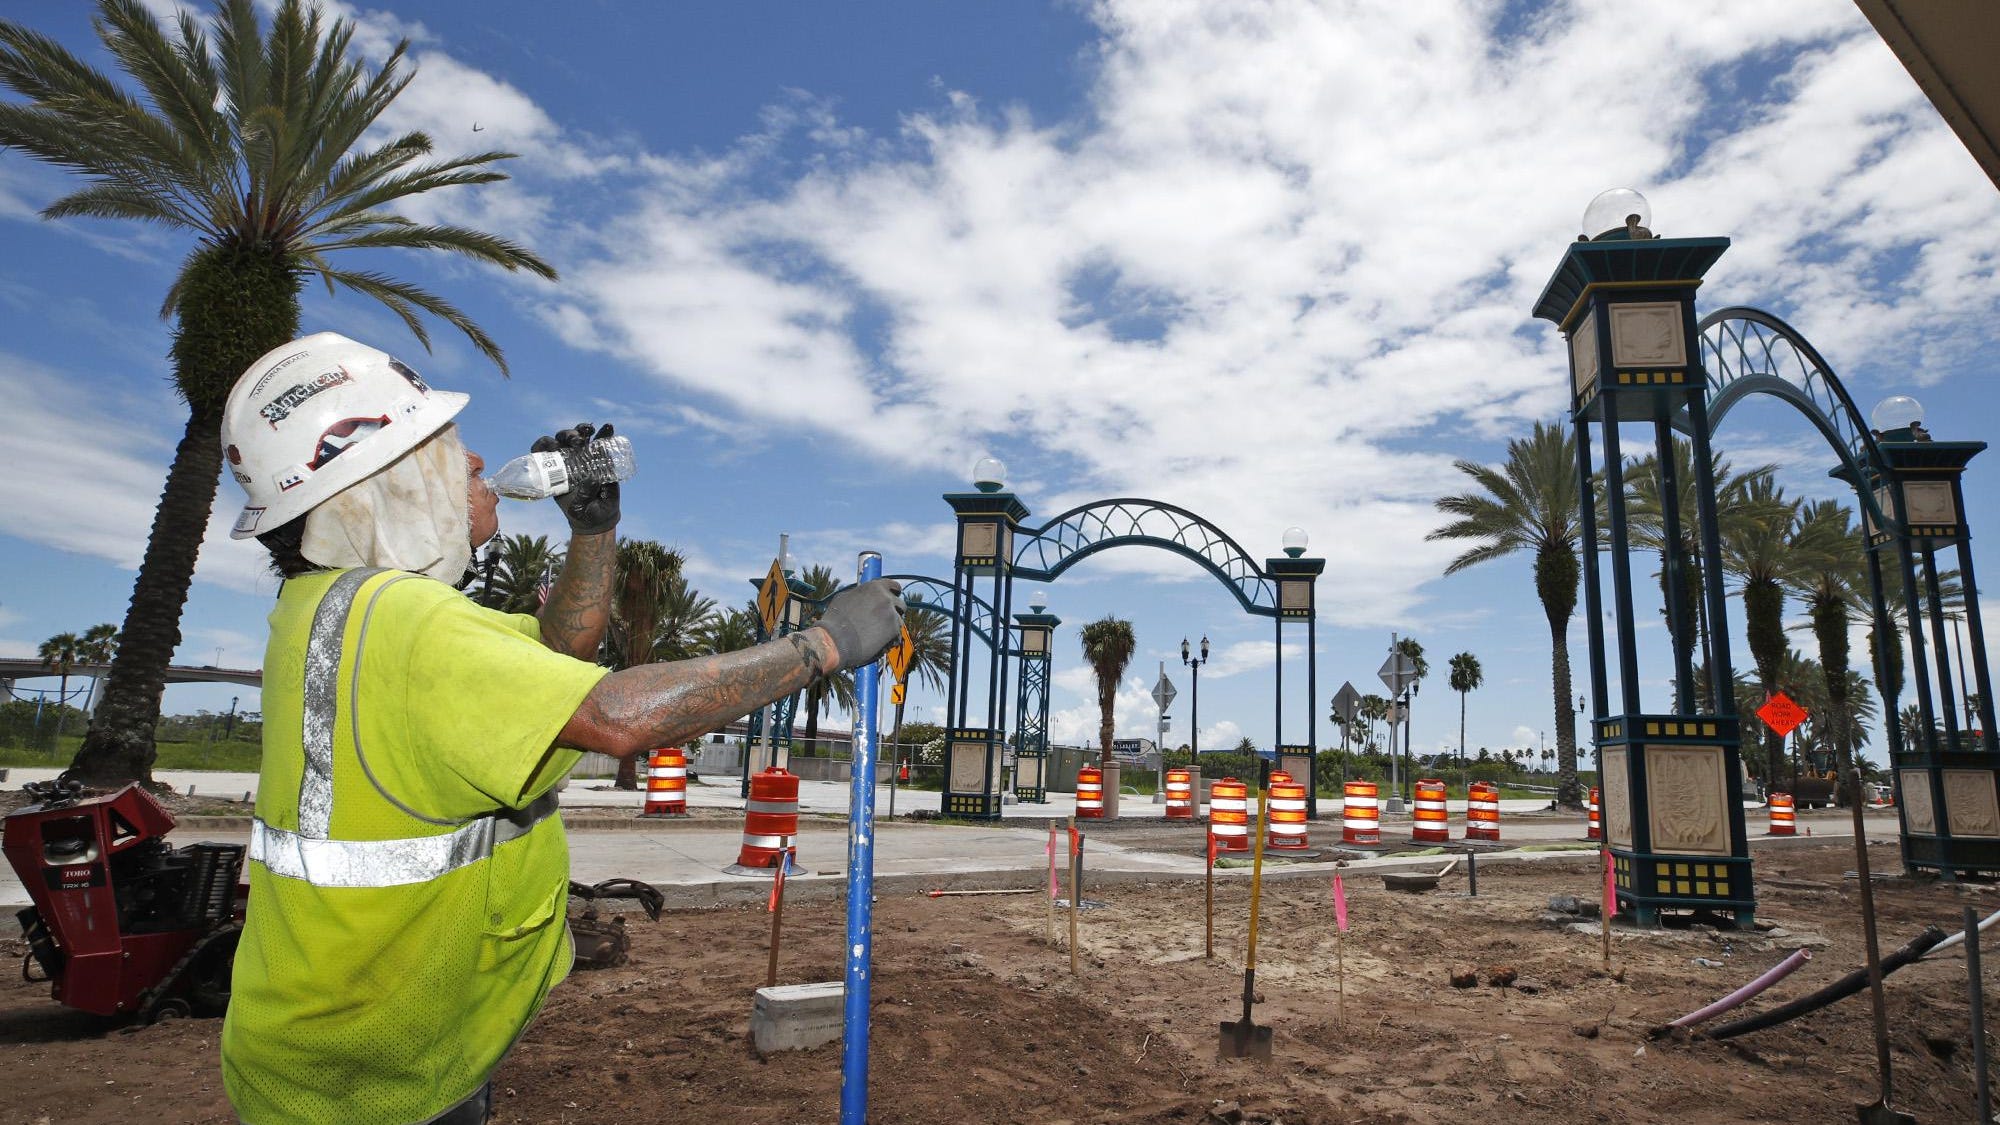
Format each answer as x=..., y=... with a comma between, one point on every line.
x=1839, y=990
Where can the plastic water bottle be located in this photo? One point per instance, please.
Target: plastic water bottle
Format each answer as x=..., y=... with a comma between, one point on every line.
x=536, y=476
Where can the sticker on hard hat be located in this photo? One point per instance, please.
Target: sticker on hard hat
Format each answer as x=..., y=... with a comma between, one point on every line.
x=343, y=436
x=248, y=519
x=291, y=478
x=415, y=379
x=281, y=407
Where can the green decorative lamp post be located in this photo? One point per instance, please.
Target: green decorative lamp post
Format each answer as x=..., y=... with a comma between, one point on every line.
x=1945, y=773
x=988, y=518
x=1036, y=630
x=1671, y=777
x=1297, y=578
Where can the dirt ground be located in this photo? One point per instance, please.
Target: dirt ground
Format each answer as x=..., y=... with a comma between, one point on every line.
x=976, y=1017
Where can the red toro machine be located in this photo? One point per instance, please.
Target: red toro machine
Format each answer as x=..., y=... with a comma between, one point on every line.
x=123, y=924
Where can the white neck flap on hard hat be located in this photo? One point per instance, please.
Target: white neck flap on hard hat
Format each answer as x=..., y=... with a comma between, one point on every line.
x=410, y=516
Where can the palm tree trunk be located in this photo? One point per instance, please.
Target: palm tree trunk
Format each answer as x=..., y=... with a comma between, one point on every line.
x=1461, y=734
x=62, y=701
x=1829, y=621
x=1764, y=628
x=236, y=303
x=119, y=745
x=1557, y=573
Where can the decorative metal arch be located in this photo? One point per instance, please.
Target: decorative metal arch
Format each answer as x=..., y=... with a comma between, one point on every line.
x=1748, y=351
x=1081, y=532
x=937, y=598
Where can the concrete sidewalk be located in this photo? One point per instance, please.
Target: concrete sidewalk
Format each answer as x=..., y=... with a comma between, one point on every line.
x=714, y=792
x=687, y=858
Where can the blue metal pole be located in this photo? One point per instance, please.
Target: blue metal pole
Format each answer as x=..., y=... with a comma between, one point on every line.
x=860, y=883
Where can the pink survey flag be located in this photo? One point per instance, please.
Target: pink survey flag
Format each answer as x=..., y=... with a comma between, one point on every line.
x=1339, y=904
x=1610, y=889
x=1053, y=892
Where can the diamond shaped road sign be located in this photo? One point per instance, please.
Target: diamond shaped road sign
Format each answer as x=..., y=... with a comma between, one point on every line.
x=1397, y=672
x=1346, y=702
x=1781, y=714
x=1163, y=692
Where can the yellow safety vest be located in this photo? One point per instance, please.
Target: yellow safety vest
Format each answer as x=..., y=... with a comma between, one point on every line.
x=398, y=939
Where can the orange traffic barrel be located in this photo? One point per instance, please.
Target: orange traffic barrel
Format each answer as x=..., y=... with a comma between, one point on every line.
x=1361, y=818
x=1430, y=823
x=1090, y=792
x=1596, y=831
x=1180, y=793
x=1784, y=815
x=771, y=822
x=666, y=783
x=1229, y=815
x=1482, y=811
x=1287, y=813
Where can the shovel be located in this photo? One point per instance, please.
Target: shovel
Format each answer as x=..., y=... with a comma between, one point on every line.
x=1244, y=1039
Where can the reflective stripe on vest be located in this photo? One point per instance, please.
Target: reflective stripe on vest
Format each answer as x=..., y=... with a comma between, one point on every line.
x=309, y=854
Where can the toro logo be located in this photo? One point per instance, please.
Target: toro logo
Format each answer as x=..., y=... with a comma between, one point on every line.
x=281, y=407
x=74, y=878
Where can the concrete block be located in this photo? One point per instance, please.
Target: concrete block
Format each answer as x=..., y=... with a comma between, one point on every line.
x=796, y=1017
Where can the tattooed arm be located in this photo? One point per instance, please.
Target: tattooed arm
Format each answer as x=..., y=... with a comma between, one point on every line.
x=579, y=605
x=631, y=712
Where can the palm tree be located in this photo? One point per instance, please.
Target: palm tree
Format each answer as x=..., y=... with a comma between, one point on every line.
x=640, y=577
x=930, y=657
x=728, y=631
x=1829, y=591
x=515, y=568
x=1371, y=710
x=1646, y=522
x=680, y=624
x=837, y=689
x=1763, y=554
x=1531, y=503
x=251, y=144
x=1466, y=676
x=100, y=645
x=62, y=652
x=1107, y=646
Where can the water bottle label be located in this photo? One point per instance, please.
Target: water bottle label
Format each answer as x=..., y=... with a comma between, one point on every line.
x=555, y=472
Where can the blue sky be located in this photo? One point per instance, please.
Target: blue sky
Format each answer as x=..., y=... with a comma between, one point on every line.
x=1272, y=263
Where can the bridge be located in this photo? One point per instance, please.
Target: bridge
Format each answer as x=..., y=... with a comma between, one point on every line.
x=19, y=668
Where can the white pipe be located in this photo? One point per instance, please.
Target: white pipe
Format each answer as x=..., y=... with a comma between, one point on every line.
x=1771, y=976
x=1958, y=936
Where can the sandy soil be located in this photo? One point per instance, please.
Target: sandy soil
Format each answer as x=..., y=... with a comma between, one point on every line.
x=977, y=1018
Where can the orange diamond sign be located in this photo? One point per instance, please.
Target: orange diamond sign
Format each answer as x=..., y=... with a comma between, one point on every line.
x=1781, y=714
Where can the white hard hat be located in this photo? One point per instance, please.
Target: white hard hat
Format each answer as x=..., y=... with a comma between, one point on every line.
x=317, y=415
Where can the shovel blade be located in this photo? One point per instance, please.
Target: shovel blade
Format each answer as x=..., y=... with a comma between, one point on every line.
x=1879, y=1113
x=1243, y=1040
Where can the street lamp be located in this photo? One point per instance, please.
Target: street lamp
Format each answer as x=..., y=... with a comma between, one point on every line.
x=989, y=474
x=1194, y=706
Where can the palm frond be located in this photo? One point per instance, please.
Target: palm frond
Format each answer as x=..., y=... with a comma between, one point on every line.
x=178, y=78
x=403, y=298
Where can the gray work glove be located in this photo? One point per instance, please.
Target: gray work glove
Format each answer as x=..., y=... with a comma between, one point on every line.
x=590, y=508
x=864, y=621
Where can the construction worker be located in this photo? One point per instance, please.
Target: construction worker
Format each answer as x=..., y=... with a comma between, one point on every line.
x=408, y=872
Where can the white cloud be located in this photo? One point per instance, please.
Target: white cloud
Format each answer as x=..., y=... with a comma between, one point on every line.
x=1284, y=244
x=1275, y=270
x=96, y=497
